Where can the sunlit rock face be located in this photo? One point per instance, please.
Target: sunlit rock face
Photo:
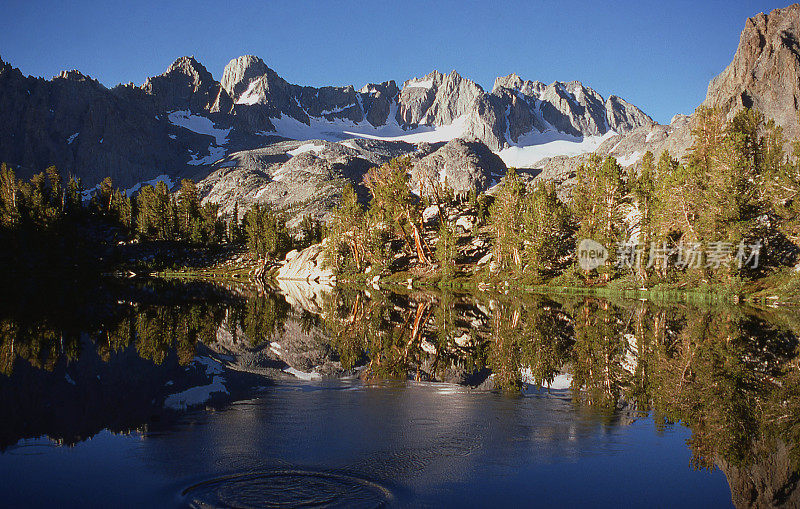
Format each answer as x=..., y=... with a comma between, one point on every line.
x=461, y=165
x=308, y=265
x=183, y=121
x=765, y=71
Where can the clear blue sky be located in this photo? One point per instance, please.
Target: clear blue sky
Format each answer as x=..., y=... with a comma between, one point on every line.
x=659, y=55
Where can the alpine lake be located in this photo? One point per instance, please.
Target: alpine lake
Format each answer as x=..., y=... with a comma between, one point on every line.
x=164, y=393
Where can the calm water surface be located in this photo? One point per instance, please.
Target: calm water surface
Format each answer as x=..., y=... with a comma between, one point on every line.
x=424, y=444
x=413, y=400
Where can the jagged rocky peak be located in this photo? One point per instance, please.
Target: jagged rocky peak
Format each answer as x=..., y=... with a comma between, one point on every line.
x=623, y=116
x=429, y=81
x=437, y=99
x=514, y=82
x=575, y=109
x=6, y=67
x=187, y=84
x=240, y=72
x=73, y=75
x=569, y=107
x=765, y=71
x=249, y=82
x=190, y=67
x=388, y=88
x=377, y=100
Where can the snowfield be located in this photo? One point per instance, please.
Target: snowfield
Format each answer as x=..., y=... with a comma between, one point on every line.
x=214, y=155
x=426, y=84
x=161, y=178
x=199, y=125
x=342, y=129
x=250, y=96
x=529, y=149
x=533, y=147
x=202, y=125
x=308, y=147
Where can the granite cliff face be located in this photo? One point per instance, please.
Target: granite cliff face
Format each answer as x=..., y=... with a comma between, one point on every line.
x=570, y=108
x=301, y=177
x=77, y=124
x=231, y=135
x=765, y=71
x=187, y=85
x=181, y=122
x=764, y=74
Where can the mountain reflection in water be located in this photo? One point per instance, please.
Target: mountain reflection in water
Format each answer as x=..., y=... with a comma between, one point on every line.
x=421, y=398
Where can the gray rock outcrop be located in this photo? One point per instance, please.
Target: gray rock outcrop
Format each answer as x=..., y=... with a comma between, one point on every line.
x=301, y=178
x=85, y=129
x=460, y=165
x=378, y=100
x=623, y=116
x=765, y=71
x=570, y=108
x=306, y=265
x=187, y=85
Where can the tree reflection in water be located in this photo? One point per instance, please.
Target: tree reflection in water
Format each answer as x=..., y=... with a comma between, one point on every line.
x=729, y=374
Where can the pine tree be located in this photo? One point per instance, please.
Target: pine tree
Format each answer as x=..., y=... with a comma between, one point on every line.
x=446, y=249
x=505, y=218
x=56, y=191
x=122, y=209
x=73, y=196
x=598, y=197
x=189, y=212
x=393, y=204
x=235, y=233
x=156, y=216
x=9, y=211
x=310, y=230
x=266, y=232
x=546, y=230
x=346, y=247
x=106, y=196
x=643, y=188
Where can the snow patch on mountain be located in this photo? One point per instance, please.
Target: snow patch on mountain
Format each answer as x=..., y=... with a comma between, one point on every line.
x=338, y=109
x=534, y=146
x=308, y=147
x=88, y=193
x=214, y=155
x=161, y=178
x=199, y=124
x=250, y=96
x=427, y=84
x=342, y=129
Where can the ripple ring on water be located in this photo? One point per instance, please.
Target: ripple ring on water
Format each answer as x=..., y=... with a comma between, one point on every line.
x=288, y=488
